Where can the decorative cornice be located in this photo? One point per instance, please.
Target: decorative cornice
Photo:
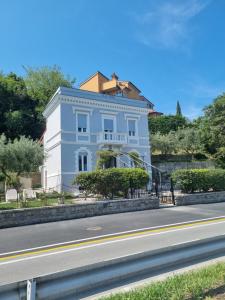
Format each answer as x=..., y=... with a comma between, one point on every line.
x=104, y=105
x=59, y=98
x=51, y=106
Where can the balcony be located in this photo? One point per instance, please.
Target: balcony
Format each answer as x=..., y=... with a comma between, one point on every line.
x=112, y=138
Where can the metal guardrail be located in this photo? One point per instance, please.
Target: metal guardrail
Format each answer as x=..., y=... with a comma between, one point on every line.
x=72, y=284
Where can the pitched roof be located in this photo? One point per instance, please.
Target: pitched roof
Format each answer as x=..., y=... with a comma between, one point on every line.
x=93, y=75
x=129, y=82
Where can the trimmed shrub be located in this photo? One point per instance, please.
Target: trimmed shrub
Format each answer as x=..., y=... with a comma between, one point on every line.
x=199, y=180
x=113, y=181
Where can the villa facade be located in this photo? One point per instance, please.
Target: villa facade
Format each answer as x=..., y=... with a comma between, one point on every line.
x=79, y=123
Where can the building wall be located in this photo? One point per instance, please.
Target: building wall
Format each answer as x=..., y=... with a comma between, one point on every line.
x=53, y=124
x=63, y=142
x=51, y=172
x=94, y=84
x=133, y=93
x=53, y=167
x=101, y=84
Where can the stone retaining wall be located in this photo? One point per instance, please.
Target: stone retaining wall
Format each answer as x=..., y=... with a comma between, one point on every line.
x=27, y=216
x=199, y=198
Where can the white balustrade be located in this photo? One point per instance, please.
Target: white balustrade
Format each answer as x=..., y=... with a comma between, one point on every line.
x=112, y=138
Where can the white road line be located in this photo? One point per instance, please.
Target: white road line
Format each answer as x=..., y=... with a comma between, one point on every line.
x=108, y=235
x=106, y=243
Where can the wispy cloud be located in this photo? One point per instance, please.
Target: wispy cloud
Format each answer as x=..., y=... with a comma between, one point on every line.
x=198, y=88
x=202, y=90
x=168, y=24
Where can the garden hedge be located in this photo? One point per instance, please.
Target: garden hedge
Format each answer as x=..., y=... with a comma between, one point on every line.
x=112, y=181
x=199, y=180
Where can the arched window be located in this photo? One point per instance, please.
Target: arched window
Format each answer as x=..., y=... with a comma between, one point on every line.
x=82, y=161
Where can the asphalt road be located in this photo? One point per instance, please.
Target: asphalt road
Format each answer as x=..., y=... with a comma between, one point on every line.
x=26, y=237
x=31, y=265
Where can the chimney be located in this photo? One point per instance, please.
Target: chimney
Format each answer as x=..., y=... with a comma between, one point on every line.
x=114, y=76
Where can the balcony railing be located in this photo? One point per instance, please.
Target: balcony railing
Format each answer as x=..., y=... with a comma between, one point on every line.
x=112, y=138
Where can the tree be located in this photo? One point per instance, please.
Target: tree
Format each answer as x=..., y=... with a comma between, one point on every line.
x=43, y=82
x=138, y=163
x=17, y=109
x=166, y=123
x=106, y=159
x=220, y=157
x=188, y=140
x=178, y=109
x=163, y=143
x=23, y=101
x=212, y=129
x=19, y=156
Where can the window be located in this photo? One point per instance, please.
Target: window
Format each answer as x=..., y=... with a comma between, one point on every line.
x=132, y=127
x=82, y=161
x=82, y=122
x=108, y=125
x=119, y=93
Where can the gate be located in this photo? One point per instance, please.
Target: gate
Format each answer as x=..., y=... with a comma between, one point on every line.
x=162, y=186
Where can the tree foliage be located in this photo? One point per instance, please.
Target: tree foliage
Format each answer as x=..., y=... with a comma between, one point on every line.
x=178, y=109
x=19, y=156
x=188, y=140
x=22, y=101
x=163, y=143
x=166, y=123
x=136, y=159
x=212, y=129
x=106, y=159
x=17, y=110
x=43, y=82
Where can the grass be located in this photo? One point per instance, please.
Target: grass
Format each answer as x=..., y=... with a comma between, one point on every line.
x=32, y=203
x=194, y=285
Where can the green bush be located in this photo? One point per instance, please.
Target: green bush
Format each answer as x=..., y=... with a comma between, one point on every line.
x=113, y=181
x=199, y=180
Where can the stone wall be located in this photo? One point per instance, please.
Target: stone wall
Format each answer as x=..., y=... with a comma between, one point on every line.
x=27, y=216
x=199, y=198
x=31, y=180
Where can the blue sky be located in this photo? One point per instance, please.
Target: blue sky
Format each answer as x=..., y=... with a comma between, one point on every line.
x=171, y=49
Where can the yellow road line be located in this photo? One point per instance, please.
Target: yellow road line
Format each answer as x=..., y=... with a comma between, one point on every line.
x=111, y=238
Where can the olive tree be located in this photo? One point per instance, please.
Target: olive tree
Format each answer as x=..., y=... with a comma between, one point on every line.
x=22, y=155
x=188, y=140
x=163, y=143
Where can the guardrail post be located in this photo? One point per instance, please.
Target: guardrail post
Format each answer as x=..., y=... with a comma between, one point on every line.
x=31, y=289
